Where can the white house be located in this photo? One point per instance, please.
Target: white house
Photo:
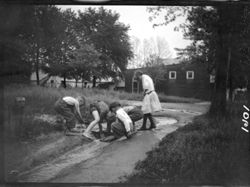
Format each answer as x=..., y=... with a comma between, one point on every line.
x=56, y=81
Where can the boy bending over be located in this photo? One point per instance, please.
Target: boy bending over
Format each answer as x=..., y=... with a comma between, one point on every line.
x=123, y=125
x=69, y=108
x=99, y=111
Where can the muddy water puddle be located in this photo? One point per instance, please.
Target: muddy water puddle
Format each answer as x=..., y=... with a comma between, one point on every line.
x=80, y=154
x=48, y=171
x=184, y=111
x=164, y=126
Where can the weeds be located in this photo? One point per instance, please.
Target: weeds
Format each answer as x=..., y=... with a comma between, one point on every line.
x=205, y=151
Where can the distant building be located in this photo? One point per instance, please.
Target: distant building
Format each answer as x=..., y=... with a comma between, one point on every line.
x=110, y=84
x=56, y=82
x=46, y=80
x=185, y=80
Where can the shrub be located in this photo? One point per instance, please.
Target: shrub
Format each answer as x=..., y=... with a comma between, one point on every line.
x=205, y=151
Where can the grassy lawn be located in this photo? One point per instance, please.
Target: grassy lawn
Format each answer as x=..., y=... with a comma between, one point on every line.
x=206, y=151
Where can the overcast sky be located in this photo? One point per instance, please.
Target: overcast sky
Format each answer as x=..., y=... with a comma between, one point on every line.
x=140, y=26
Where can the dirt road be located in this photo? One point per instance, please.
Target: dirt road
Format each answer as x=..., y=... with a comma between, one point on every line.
x=99, y=162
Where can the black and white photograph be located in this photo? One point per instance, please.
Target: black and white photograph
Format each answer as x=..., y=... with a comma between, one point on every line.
x=104, y=93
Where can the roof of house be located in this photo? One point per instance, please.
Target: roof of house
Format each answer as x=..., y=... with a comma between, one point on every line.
x=177, y=65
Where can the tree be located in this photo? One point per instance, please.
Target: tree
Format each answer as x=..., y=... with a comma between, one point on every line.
x=218, y=42
x=16, y=26
x=60, y=43
x=63, y=46
x=153, y=61
x=136, y=61
x=162, y=46
x=84, y=62
x=156, y=65
x=102, y=28
x=45, y=36
x=148, y=51
x=148, y=48
x=230, y=65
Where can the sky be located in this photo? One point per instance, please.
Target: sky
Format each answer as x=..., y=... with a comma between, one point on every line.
x=138, y=19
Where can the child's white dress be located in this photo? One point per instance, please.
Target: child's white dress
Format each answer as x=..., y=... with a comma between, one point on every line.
x=151, y=101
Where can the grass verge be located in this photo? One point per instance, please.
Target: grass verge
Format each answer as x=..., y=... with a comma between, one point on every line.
x=206, y=151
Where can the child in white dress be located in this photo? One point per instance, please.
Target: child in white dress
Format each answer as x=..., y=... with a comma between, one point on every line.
x=151, y=101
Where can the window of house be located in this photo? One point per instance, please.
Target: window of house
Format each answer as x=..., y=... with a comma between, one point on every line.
x=190, y=74
x=172, y=74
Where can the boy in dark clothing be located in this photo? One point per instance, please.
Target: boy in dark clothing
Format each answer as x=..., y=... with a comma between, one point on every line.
x=99, y=111
x=69, y=108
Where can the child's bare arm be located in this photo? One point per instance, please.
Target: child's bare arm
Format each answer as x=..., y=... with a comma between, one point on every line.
x=78, y=113
x=94, y=122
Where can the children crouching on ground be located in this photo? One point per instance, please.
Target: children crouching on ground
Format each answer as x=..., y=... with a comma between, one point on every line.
x=99, y=111
x=122, y=124
x=134, y=112
x=121, y=121
x=69, y=108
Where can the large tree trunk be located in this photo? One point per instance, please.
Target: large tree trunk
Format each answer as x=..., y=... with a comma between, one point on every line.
x=248, y=91
x=76, y=82
x=82, y=80
x=37, y=66
x=64, y=81
x=229, y=76
x=230, y=87
x=218, y=105
x=38, y=37
x=223, y=58
x=94, y=81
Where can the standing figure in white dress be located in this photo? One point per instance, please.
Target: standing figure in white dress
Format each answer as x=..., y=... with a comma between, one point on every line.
x=151, y=101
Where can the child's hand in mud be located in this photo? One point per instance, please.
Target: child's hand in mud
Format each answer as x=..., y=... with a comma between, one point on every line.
x=108, y=139
x=129, y=134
